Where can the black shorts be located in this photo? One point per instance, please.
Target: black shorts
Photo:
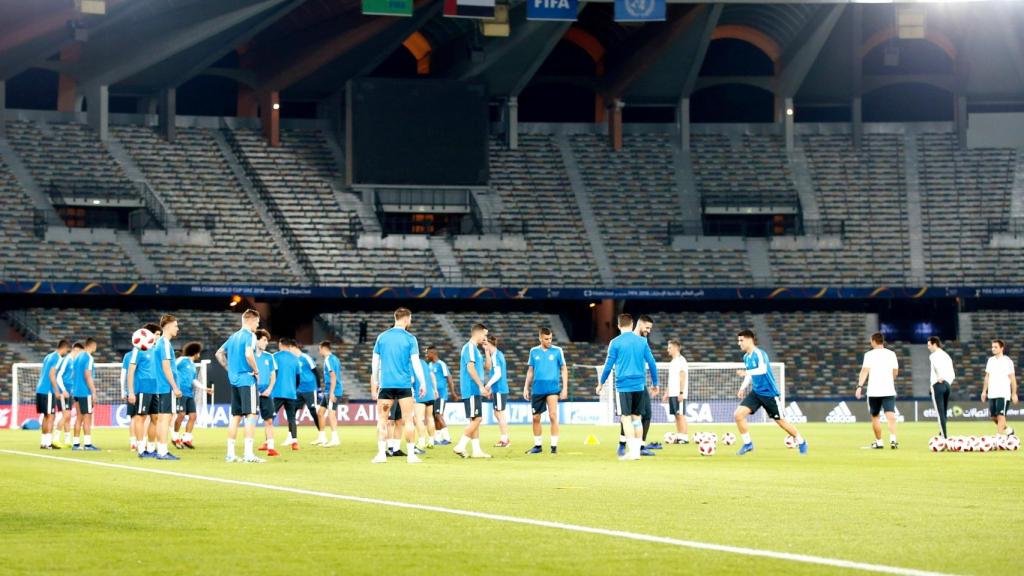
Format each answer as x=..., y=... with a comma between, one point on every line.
x=394, y=393
x=755, y=401
x=289, y=404
x=997, y=406
x=473, y=406
x=877, y=404
x=161, y=403
x=675, y=408
x=539, y=403
x=60, y=403
x=45, y=404
x=440, y=405
x=185, y=404
x=267, y=410
x=84, y=404
x=427, y=403
x=645, y=405
x=500, y=401
x=244, y=400
x=631, y=403
x=326, y=402
x=396, y=411
x=308, y=399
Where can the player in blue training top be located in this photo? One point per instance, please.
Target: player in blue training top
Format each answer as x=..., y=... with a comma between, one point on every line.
x=267, y=365
x=167, y=391
x=83, y=389
x=630, y=356
x=126, y=362
x=547, y=382
x=497, y=381
x=238, y=355
x=425, y=408
x=64, y=373
x=307, y=391
x=763, y=393
x=48, y=395
x=445, y=388
x=185, y=376
x=142, y=386
x=396, y=369
x=473, y=389
x=332, y=394
x=285, y=390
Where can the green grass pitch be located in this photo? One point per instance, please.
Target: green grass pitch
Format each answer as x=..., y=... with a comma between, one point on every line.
x=909, y=508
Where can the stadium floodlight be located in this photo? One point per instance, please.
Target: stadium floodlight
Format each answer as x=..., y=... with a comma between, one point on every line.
x=277, y=106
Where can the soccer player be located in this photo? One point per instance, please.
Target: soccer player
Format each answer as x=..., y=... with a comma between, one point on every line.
x=942, y=377
x=167, y=390
x=396, y=362
x=142, y=386
x=644, y=324
x=129, y=406
x=547, y=382
x=240, y=350
x=284, y=392
x=472, y=389
x=445, y=390
x=307, y=389
x=185, y=376
x=497, y=381
x=1000, y=388
x=763, y=393
x=83, y=389
x=628, y=355
x=425, y=409
x=64, y=373
x=332, y=394
x=265, y=386
x=678, y=385
x=48, y=395
x=880, y=370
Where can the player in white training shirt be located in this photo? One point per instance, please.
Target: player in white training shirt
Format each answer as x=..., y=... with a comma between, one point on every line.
x=1000, y=387
x=880, y=370
x=678, y=385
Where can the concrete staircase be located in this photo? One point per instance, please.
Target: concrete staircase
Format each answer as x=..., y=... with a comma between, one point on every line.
x=40, y=200
x=131, y=169
x=133, y=249
x=579, y=190
x=912, y=182
x=446, y=259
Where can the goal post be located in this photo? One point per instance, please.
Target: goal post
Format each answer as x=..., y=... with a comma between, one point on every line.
x=109, y=405
x=711, y=396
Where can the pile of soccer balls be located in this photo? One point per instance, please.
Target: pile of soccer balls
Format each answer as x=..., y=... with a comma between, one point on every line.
x=973, y=443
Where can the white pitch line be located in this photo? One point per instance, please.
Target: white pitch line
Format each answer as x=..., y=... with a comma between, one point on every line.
x=803, y=558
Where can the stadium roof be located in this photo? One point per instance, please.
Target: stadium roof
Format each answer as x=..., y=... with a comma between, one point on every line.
x=308, y=49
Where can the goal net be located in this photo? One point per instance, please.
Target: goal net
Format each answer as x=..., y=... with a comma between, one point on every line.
x=109, y=407
x=711, y=395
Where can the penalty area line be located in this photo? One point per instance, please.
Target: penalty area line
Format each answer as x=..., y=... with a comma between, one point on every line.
x=692, y=544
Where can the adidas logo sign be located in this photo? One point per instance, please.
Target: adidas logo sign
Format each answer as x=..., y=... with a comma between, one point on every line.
x=841, y=414
x=794, y=414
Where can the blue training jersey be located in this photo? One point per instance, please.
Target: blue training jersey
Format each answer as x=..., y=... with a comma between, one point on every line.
x=125, y=363
x=184, y=375
x=267, y=366
x=470, y=353
x=429, y=395
x=762, y=381
x=145, y=371
x=441, y=374
x=547, y=370
x=332, y=366
x=307, y=378
x=239, y=372
x=82, y=365
x=164, y=351
x=64, y=372
x=500, y=369
x=629, y=355
x=395, y=348
x=50, y=362
x=287, y=375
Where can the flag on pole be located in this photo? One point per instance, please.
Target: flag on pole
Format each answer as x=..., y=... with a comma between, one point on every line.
x=559, y=10
x=639, y=10
x=483, y=9
x=387, y=7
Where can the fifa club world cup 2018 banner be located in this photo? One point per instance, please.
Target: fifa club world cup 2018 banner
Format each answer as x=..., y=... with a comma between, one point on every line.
x=639, y=10
x=560, y=10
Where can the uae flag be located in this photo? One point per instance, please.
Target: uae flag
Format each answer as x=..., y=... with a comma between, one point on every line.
x=483, y=9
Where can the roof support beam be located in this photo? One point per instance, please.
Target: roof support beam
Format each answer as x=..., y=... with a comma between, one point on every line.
x=797, y=63
x=1014, y=45
x=692, y=74
x=558, y=30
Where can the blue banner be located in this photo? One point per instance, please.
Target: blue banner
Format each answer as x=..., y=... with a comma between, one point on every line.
x=564, y=10
x=639, y=10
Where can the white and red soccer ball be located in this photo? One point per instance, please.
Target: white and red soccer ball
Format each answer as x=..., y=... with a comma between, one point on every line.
x=790, y=442
x=937, y=444
x=143, y=339
x=1012, y=443
x=706, y=448
x=729, y=439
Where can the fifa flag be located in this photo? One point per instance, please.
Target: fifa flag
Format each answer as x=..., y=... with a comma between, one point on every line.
x=482, y=9
x=387, y=7
x=563, y=10
x=639, y=10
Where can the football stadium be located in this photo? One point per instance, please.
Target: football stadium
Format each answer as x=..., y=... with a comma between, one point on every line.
x=511, y=287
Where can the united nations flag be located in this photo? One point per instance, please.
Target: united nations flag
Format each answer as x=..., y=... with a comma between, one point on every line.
x=639, y=10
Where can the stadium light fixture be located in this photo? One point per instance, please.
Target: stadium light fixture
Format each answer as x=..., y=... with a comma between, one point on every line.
x=593, y=304
x=277, y=106
x=789, y=111
x=97, y=202
x=235, y=301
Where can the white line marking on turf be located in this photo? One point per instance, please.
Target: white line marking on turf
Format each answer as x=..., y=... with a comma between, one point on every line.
x=803, y=558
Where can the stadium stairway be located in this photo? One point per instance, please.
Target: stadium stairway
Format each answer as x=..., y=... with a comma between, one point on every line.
x=346, y=198
x=28, y=184
x=913, y=188
x=446, y=259
x=1017, y=199
x=586, y=211
x=134, y=173
x=448, y=327
x=133, y=249
x=804, y=184
x=689, y=195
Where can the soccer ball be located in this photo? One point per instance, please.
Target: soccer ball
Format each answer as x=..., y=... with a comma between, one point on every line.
x=729, y=439
x=953, y=444
x=1012, y=443
x=790, y=442
x=711, y=437
x=999, y=440
x=669, y=438
x=143, y=339
x=985, y=444
x=973, y=443
x=706, y=449
x=937, y=444
x=700, y=437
